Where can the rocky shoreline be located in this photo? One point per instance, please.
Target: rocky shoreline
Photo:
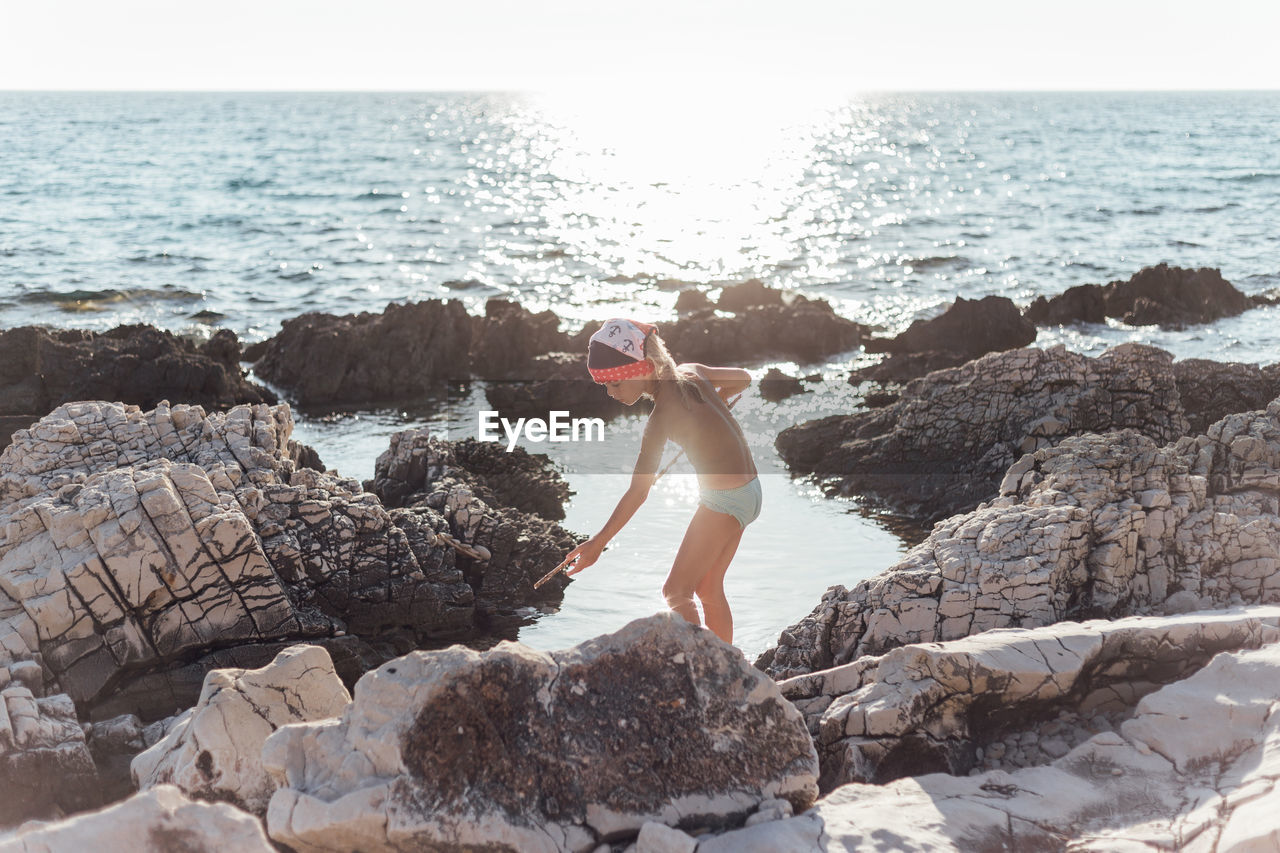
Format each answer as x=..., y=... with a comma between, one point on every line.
x=219, y=644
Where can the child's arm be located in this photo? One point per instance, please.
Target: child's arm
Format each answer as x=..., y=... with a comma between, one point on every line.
x=727, y=380
x=642, y=479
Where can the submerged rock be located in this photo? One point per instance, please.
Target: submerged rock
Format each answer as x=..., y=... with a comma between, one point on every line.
x=517, y=749
x=776, y=386
x=945, y=444
x=212, y=751
x=161, y=820
x=1097, y=526
x=945, y=707
x=1160, y=295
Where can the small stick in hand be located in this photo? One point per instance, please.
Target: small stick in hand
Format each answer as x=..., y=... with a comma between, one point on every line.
x=549, y=575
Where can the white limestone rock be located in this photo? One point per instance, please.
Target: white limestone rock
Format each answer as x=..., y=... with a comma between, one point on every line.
x=213, y=751
x=534, y=751
x=1097, y=526
x=161, y=820
x=1018, y=694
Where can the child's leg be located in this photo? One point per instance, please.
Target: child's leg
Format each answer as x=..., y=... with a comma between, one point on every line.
x=715, y=606
x=703, y=543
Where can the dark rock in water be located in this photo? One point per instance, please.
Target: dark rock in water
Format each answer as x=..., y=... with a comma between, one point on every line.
x=1162, y=295
x=409, y=469
x=880, y=399
x=406, y=351
x=798, y=328
x=943, y=447
x=509, y=336
x=555, y=382
x=903, y=367
x=1084, y=303
x=518, y=749
x=45, y=764
x=40, y=369
x=970, y=327
x=692, y=300
x=748, y=294
x=489, y=499
x=776, y=385
x=1211, y=390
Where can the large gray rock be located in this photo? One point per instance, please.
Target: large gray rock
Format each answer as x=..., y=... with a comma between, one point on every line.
x=1005, y=698
x=139, y=541
x=161, y=820
x=1098, y=526
x=517, y=749
x=944, y=445
x=213, y=751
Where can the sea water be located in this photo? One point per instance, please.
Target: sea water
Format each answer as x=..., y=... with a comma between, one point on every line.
x=199, y=211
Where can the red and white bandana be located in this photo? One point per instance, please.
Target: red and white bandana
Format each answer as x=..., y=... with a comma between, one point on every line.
x=616, y=351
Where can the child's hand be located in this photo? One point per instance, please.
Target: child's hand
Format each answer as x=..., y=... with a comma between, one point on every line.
x=585, y=554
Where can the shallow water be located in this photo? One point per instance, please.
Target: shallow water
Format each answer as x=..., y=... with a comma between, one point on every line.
x=194, y=211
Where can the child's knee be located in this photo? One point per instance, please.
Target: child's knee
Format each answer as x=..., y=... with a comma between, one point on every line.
x=677, y=594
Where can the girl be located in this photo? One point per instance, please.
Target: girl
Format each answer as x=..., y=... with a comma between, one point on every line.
x=631, y=361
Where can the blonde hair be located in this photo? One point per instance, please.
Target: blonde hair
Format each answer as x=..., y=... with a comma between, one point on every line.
x=664, y=368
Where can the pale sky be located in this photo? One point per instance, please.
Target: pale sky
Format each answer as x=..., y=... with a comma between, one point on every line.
x=548, y=44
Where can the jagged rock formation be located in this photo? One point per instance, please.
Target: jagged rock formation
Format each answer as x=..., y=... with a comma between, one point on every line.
x=534, y=751
x=40, y=369
x=211, y=752
x=1159, y=295
x=145, y=546
x=944, y=445
x=406, y=351
x=161, y=820
x=1195, y=769
x=556, y=381
x=1098, y=526
x=488, y=502
x=943, y=707
x=45, y=765
x=967, y=329
x=412, y=466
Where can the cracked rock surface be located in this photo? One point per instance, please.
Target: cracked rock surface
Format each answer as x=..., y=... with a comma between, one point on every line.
x=161, y=820
x=45, y=765
x=212, y=751
x=1005, y=697
x=502, y=502
x=1097, y=526
x=517, y=749
x=944, y=445
x=137, y=543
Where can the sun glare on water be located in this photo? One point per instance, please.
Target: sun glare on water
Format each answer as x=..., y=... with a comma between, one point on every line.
x=691, y=185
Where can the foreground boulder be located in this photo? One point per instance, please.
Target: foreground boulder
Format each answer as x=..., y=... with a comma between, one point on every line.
x=1098, y=526
x=517, y=749
x=212, y=751
x=1005, y=698
x=40, y=369
x=161, y=820
x=145, y=547
x=1160, y=295
x=945, y=444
